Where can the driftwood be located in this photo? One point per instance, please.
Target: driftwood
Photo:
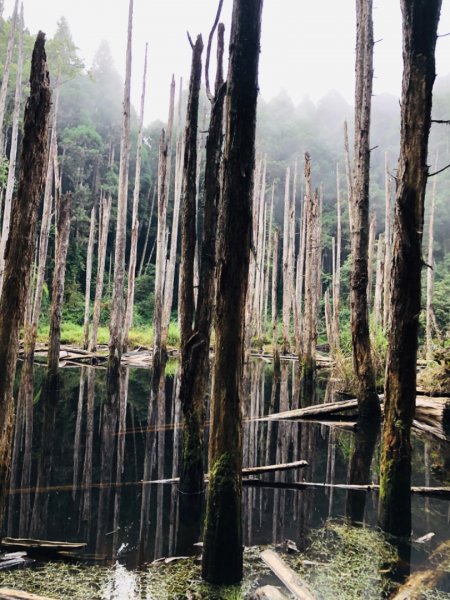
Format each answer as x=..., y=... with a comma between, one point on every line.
x=421, y=581
x=432, y=492
x=11, y=560
x=45, y=545
x=429, y=411
x=291, y=580
x=268, y=592
x=10, y=594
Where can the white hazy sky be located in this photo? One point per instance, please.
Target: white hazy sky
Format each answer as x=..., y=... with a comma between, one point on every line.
x=307, y=48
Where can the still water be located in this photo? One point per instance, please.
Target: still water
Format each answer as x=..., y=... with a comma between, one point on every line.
x=85, y=476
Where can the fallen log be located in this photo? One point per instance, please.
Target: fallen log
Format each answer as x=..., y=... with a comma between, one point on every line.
x=291, y=580
x=432, y=492
x=32, y=544
x=429, y=411
x=428, y=579
x=268, y=592
x=11, y=594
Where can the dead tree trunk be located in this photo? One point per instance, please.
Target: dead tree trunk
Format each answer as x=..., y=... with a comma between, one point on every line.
x=379, y=277
x=370, y=256
x=222, y=557
x=165, y=142
x=276, y=354
x=62, y=244
x=192, y=455
x=87, y=300
x=359, y=207
x=147, y=235
x=6, y=70
x=286, y=274
x=337, y=268
x=12, y=154
x=20, y=249
x=103, y=227
x=135, y=223
x=118, y=301
x=430, y=276
x=387, y=247
x=420, y=23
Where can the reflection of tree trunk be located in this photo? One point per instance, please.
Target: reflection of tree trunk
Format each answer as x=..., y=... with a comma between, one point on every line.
x=19, y=430
x=175, y=419
x=76, y=443
x=360, y=462
x=87, y=468
x=124, y=376
x=109, y=416
x=39, y=515
x=20, y=248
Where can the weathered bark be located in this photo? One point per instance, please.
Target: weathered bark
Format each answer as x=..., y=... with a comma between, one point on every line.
x=379, y=281
x=165, y=142
x=337, y=264
x=286, y=263
x=370, y=255
x=420, y=23
x=62, y=244
x=20, y=248
x=222, y=557
x=147, y=235
x=269, y=252
x=430, y=275
x=13, y=151
x=6, y=70
x=387, y=246
x=135, y=223
x=118, y=300
x=87, y=300
x=359, y=209
x=103, y=221
x=192, y=455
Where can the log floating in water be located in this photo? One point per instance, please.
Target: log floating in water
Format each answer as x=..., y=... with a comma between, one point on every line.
x=429, y=410
x=291, y=580
x=434, y=492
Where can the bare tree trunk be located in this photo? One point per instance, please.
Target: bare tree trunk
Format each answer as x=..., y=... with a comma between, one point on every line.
x=192, y=455
x=222, y=557
x=301, y=276
x=87, y=300
x=420, y=22
x=20, y=249
x=12, y=155
x=276, y=354
x=370, y=256
x=135, y=223
x=359, y=208
x=337, y=267
x=430, y=275
x=103, y=221
x=147, y=235
x=286, y=262
x=6, y=69
x=117, y=304
x=379, y=283
x=159, y=341
x=269, y=253
x=62, y=244
x=387, y=246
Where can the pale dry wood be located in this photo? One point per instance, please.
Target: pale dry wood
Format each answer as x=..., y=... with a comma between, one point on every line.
x=291, y=580
x=87, y=299
x=11, y=594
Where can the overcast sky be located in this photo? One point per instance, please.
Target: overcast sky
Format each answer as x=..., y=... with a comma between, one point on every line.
x=307, y=48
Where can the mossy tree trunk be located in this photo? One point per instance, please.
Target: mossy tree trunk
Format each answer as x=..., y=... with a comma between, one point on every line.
x=222, y=557
x=20, y=248
x=368, y=404
x=420, y=21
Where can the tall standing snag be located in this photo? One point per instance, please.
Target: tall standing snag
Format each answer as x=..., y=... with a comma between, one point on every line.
x=420, y=21
x=359, y=222
x=20, y=248
x=222, y=558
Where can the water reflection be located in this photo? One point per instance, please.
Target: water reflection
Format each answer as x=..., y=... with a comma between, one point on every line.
x=85, y=476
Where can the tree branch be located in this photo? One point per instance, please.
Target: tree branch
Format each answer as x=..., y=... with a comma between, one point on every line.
x=440, y=171
x=208, y=51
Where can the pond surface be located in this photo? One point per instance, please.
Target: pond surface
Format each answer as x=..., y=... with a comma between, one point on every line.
x=86, y=476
